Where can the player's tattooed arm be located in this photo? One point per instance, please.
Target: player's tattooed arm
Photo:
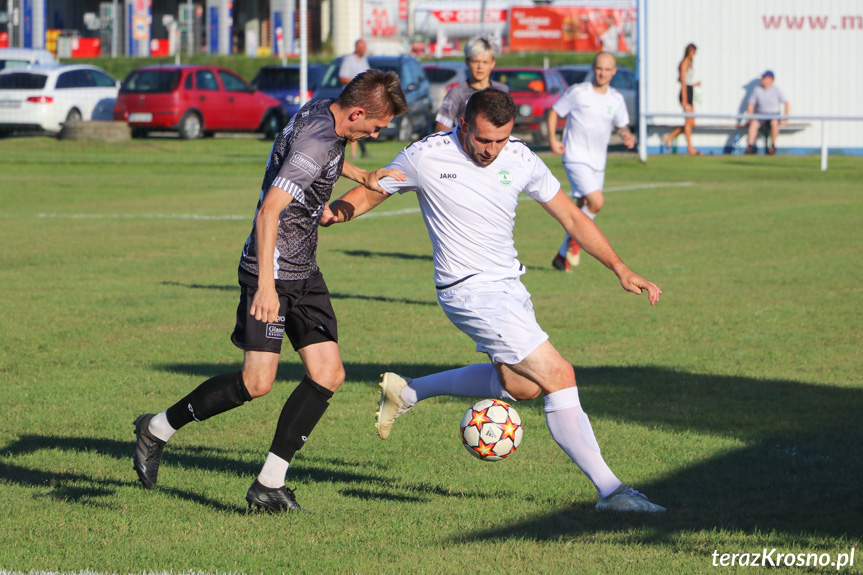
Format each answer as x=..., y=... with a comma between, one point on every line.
x=351, y=205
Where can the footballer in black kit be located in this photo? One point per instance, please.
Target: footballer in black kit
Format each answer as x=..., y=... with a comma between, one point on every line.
x=283, y=293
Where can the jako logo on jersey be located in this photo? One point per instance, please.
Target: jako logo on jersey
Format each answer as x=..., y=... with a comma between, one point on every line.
x=447, y=176
x=504, y=177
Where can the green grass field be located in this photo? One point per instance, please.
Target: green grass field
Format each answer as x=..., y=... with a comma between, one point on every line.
x=735, y=402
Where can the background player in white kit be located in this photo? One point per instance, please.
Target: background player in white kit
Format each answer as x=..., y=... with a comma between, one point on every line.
x=468, y=181
x=592, y=110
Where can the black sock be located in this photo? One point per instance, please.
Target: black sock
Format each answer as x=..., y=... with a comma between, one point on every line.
x=304, y=408
x=214, y=396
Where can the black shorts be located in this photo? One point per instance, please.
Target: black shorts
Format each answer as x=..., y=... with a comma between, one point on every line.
x=306, y=315
x=690, y=93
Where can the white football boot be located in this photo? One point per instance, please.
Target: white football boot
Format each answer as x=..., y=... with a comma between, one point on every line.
x=627, y=499
x=391, y=405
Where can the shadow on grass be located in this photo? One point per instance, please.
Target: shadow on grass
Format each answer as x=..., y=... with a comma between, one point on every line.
x=333, y=295
x=797, y=473
x=392, y=255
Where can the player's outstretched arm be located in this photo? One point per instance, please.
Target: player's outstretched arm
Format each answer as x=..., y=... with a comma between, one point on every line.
x=370, y=179
x=594, y=242
x=351, y=205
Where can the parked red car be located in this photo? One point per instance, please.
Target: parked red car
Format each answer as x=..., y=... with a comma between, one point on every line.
x=534, y=90
x=195, y=101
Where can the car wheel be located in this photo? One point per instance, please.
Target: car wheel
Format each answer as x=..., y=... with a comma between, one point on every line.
x=191, y=126
x=272, y=124
x=406, y=128
x=74, y=115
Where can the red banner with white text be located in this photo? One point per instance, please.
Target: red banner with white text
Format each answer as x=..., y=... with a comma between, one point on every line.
x=572, y=29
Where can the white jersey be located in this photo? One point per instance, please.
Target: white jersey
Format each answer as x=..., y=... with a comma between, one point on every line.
x=590, y=119
x=469, y=210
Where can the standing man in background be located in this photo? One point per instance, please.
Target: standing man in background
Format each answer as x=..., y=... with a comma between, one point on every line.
x=592, y=110
x=353, y=64
x=480, y=54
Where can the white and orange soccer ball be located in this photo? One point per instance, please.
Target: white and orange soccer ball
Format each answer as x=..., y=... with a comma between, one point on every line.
x=491, y=429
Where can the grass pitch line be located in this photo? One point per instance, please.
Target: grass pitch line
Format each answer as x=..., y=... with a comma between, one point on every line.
x=374, y=214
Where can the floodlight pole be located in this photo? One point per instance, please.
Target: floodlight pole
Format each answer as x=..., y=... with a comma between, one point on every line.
x=641, y=56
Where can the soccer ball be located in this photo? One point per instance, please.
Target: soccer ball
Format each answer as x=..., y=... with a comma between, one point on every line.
x=491, y=429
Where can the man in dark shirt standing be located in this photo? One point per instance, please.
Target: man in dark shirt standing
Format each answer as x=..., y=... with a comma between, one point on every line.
x=282, y=290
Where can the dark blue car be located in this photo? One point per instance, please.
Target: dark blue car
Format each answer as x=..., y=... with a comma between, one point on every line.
x=283, y=84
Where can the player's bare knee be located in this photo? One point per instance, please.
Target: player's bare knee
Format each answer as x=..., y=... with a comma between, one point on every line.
x=258, y=384
x=332, y=377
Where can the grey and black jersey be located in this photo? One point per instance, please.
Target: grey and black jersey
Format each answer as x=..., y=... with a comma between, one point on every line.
x=306, y=161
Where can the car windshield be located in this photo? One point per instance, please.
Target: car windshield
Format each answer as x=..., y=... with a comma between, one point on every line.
x=151, y=81
x=440, y=75
x=277, y=79
x=520, y=80
x=20, y=81
x=573, y=76
x=331, y=77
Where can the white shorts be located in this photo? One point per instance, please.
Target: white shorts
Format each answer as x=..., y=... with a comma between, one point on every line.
x=583, y=179
x=497, y=315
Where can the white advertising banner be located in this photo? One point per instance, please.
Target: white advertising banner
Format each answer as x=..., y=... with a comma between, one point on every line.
x=814, y=49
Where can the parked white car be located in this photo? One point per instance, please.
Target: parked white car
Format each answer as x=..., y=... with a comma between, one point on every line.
x=45, y=97
x=21, y=57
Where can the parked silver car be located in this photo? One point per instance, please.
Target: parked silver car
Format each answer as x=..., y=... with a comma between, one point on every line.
x=575, y=73
x=442, y=76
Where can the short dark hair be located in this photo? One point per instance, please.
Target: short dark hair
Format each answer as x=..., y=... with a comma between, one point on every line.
x=495, y=106
x=379, y=93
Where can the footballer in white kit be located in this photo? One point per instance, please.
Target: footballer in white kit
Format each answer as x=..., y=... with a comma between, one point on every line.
x=593, y=110
x=468, y=181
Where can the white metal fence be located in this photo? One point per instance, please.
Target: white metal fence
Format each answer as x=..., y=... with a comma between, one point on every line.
x=648, y=117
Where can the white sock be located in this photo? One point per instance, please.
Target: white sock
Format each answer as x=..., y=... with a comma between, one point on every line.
x=476, y=380
x=160, y=427
x=571, y=429
x=587, y=212
x=274, y=471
